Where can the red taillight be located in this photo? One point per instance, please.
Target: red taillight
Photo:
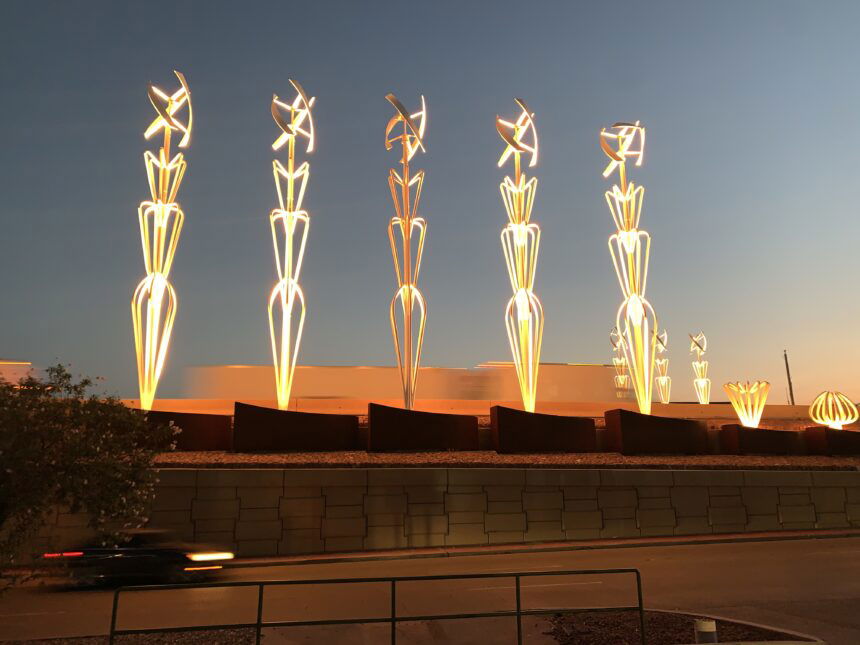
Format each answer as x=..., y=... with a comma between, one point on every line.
x=64, y=554
x=51, y=555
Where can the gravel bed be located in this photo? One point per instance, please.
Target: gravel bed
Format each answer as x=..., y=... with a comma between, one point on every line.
x=491, y=459
x=661, y=628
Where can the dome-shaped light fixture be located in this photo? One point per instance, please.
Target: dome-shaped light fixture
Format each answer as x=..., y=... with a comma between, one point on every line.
x=833, y=409
x=748, y=400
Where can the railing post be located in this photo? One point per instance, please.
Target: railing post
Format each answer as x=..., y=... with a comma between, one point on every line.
x=259, y=612
x=519, y=615
x=641, y=606
x=393, y=611
x=113, y=615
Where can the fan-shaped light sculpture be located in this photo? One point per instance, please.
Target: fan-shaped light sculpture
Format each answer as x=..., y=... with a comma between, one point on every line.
x=405, y=230
x=702, y=384
x=520, y=243
x=833, y=409
x=748, y=400
x=289, y=224
x=621, y=380
x=153, y=306
x=663, y=381
x=629, y=248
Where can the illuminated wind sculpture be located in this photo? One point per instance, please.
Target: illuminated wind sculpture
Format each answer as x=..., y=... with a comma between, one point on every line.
x=520, y=243
x=702, y=384
x=833, y=409
x=153, y=306
x=663, y=380
x=289, y=225
x=621, y=380
x=408, y=129
x=630, y=247
x=748, y=400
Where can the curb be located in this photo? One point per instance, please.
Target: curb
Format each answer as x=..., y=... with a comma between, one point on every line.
x=540, y=547
x=806, y=638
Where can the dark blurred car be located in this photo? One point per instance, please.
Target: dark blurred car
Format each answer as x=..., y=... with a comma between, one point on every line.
x=142, y=555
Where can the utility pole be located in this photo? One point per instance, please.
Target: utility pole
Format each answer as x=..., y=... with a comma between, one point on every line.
x=788, y=374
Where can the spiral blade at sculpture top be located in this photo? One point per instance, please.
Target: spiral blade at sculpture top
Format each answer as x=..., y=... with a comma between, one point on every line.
x=408, y=308
x=153, y=310
x=638, y=323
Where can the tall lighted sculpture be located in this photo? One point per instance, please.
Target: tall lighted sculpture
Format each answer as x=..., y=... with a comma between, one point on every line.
x=663, y=381
x=621, y=380
x=833, y=409
x=702, y=384
x=520, y=243
x=748, y=400
x=153, y=306
x=289, y=225
x=630, y=247
x=406, y=230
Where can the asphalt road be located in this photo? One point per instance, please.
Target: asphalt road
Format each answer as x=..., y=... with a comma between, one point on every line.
x=809, y=586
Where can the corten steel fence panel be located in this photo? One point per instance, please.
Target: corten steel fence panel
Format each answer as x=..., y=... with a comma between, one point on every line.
x=393, y=618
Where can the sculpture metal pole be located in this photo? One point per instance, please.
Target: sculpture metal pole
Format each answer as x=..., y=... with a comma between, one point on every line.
x=409, y=132
x=629, y=247
x=289, y=225
x=520, y=243
x=153, y=306
x=663, y=380
x=621, y=379
x=702, y=384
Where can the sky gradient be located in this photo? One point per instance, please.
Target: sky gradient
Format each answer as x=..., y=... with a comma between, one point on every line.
x=751, y=110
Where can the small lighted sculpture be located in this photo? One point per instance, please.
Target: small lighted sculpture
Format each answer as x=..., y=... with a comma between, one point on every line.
x=702, y=384
x=663, y=380
x=289, y=225
x=833, y=409
x=630, y=247
x=405, y=230
x=621, y=380
x=748, y=400
x=153, y=306
x=520, y=243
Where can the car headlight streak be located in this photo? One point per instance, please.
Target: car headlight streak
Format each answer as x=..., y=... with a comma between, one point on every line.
x=629, y=247
x=153, y=306
x=748, y=400
x=520, y=243
x=289, y=224
x=407, y=129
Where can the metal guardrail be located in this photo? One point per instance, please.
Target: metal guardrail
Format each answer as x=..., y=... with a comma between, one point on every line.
x=393, y=618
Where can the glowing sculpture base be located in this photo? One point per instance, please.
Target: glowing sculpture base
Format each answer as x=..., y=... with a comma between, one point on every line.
x=259, y=429
x=398, y=430
x=518, y=431
x=736, y=439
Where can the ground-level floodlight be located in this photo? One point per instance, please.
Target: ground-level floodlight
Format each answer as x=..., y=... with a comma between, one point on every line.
x=408, y=129
x=153, y=306
x=630, y=247
x=702, y=384
x=748, y=400
x=621, y=379
x=833, y=409
x=289, y=224
x=520, y=243
x=663, y=381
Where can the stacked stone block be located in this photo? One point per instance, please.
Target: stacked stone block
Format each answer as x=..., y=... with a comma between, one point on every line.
x=271, y=512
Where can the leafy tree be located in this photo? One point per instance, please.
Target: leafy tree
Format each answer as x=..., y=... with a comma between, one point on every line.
x=62, y=447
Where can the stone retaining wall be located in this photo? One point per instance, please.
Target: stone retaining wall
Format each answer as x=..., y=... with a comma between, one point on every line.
x=270, y=512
